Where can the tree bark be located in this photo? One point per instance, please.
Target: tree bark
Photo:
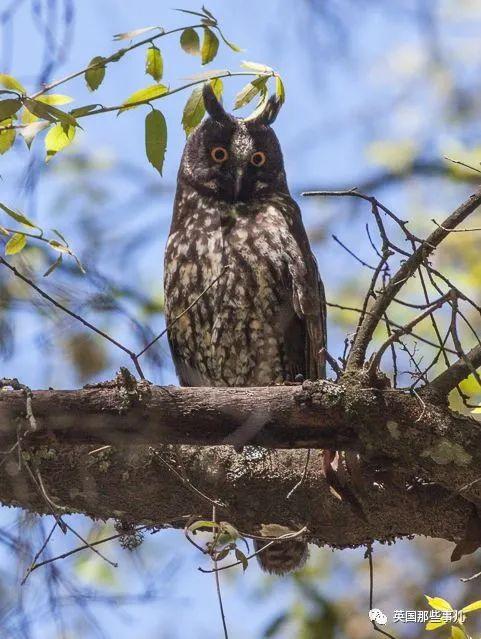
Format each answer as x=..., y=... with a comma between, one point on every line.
x=139, y=454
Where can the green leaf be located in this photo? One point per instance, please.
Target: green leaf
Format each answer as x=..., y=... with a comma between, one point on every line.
x=190, y=41
x=54, y=98
x=9, y=82
x=49, y=112
x=218, y=87
x=15, y=244
x=222, y=554
x=144, y=95
x=249, y=92
x=193, y=111
x=280, y=90
x=255, y=66
x=155, y=139
x=230, y=44
x=61, y=248
x=260, y=106
x=154, y=64
x=438, y=603
x=229, y=530
x=31, y=130
x=59, y=137
x=39, y=109
x=53, y=266
x=239, y=555
x=128, y=35
x=4, y=231
x=476, y=605
x=9, y=107
x=18, y=217
x=207, y=75
x=202, y=523
x=7, y=137
x=76, y=113
x=210, y=46
x=117, y=56
x=95, y=73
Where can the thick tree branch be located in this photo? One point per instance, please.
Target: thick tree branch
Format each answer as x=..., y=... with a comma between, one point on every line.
x=447, y=381
x=92, y=450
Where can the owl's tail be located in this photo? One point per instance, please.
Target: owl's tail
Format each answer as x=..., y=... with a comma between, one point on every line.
x=283, y=556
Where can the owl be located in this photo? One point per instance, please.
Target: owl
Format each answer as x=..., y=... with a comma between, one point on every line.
x=238, y=258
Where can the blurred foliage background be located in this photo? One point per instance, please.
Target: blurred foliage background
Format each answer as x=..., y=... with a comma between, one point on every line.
x=377, y=95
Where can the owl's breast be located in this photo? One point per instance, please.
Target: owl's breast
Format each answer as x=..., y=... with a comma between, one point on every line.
x=234, y=332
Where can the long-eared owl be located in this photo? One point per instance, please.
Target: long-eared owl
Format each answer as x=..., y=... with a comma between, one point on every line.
x=238, y=246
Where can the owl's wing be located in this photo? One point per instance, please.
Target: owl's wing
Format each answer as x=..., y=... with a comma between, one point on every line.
x=308, y=298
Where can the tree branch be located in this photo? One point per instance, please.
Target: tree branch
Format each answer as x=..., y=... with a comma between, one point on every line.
x=400, y=438
x=447, y=381
x=369, y=323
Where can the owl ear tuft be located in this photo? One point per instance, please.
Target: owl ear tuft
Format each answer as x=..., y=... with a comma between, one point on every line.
x=212, y=105
x=270, y=112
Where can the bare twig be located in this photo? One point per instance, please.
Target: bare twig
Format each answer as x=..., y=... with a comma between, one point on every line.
x=303, y=477
x=254, y=554
x=186, y=481
x=217, y=585
x=176, y=319
x=364, y=335
x=368, y=555
x=404, y=330
x=79, y=318
x=418, y=337
x=74, y=551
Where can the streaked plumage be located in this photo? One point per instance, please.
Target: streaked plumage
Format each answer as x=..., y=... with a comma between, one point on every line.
x=263, y=320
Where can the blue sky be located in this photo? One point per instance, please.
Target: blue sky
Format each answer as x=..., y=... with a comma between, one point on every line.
x=337, y=89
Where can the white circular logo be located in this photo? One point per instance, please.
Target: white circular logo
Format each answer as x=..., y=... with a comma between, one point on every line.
x=378, y=616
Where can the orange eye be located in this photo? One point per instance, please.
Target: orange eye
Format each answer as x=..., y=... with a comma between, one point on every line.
x=219, y=154
x=258, y=158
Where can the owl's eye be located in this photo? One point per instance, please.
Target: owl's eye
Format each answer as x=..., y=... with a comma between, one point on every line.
x=258, y=158
x=219, y=154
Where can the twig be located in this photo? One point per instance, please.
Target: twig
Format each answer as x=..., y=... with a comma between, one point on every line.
x=352, y=254
x=457, y=341
x=78, y=549
x=303, y=477
x=363, y=338
x=217, y=585
x=186, y=481
x=176, y=319
x=368, y=555
x=274, y=541
x=455, y=230
x=418, y=337
x=404, y=330
x=112, y=58
x=332, y=362
x=80, y=319
x=38, y=483
x=468, y=166
x=32, y=566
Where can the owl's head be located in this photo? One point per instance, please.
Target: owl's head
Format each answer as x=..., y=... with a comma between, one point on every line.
x=233, y=159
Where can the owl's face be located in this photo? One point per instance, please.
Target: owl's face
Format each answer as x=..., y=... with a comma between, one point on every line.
x=231, y=159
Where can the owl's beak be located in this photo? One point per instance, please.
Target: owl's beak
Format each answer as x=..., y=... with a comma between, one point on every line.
x=239, y=175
